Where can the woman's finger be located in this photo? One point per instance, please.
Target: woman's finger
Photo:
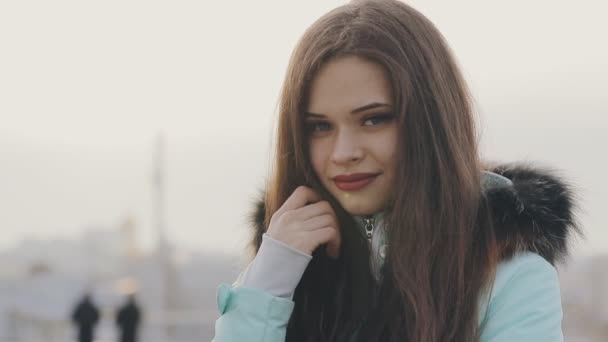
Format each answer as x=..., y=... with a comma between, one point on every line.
x=321, y=221
x=301, y=196
x=313, y=210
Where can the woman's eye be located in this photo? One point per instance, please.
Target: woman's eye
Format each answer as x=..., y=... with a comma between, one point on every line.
x=317, y=126
x=377, y=119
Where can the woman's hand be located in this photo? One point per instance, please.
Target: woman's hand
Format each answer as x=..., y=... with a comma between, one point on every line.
x=304, y=222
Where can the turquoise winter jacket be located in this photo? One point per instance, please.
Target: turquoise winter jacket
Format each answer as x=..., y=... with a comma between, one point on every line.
x=533, y=219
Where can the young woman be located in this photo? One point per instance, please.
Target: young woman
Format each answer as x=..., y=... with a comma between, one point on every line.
x=379, y=222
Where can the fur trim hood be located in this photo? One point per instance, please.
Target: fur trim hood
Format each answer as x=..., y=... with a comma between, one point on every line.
x=533, y=210
x=535, y=213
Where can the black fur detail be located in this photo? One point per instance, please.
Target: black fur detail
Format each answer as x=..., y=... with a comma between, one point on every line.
x=536, y=213
x=256, y=220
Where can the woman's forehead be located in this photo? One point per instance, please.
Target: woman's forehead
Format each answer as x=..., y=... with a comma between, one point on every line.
x=347, y=83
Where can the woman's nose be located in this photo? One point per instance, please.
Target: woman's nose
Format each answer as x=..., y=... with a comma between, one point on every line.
x=346, y=148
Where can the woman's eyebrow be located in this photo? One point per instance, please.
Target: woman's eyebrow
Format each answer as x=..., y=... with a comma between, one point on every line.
x=313, y=115
x=369, y=106
x=354, y=111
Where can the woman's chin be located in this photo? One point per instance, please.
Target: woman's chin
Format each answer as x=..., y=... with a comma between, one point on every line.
x=360, y=209
x=360, y=203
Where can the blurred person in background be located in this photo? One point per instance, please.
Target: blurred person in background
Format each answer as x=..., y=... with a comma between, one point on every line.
x=127, y=320
x=85, y=317
x=379, y=221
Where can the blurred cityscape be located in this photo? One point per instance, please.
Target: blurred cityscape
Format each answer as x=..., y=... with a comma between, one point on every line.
x=41, y=282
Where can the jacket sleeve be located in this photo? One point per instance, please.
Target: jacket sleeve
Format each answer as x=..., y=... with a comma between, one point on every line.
x=257, y=307
x=249, y=314
x=525, y=304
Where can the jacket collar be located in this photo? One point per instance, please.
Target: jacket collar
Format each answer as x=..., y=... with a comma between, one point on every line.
x=533, y=210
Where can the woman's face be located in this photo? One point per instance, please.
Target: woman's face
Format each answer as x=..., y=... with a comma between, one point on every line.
x=352, y=133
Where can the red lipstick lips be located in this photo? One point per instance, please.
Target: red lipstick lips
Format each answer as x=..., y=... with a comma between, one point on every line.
x=354, y=181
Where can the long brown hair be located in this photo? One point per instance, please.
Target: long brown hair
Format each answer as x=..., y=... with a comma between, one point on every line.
x=441, y=251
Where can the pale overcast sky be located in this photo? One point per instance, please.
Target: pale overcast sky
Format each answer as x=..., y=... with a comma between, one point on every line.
x=86, y=86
